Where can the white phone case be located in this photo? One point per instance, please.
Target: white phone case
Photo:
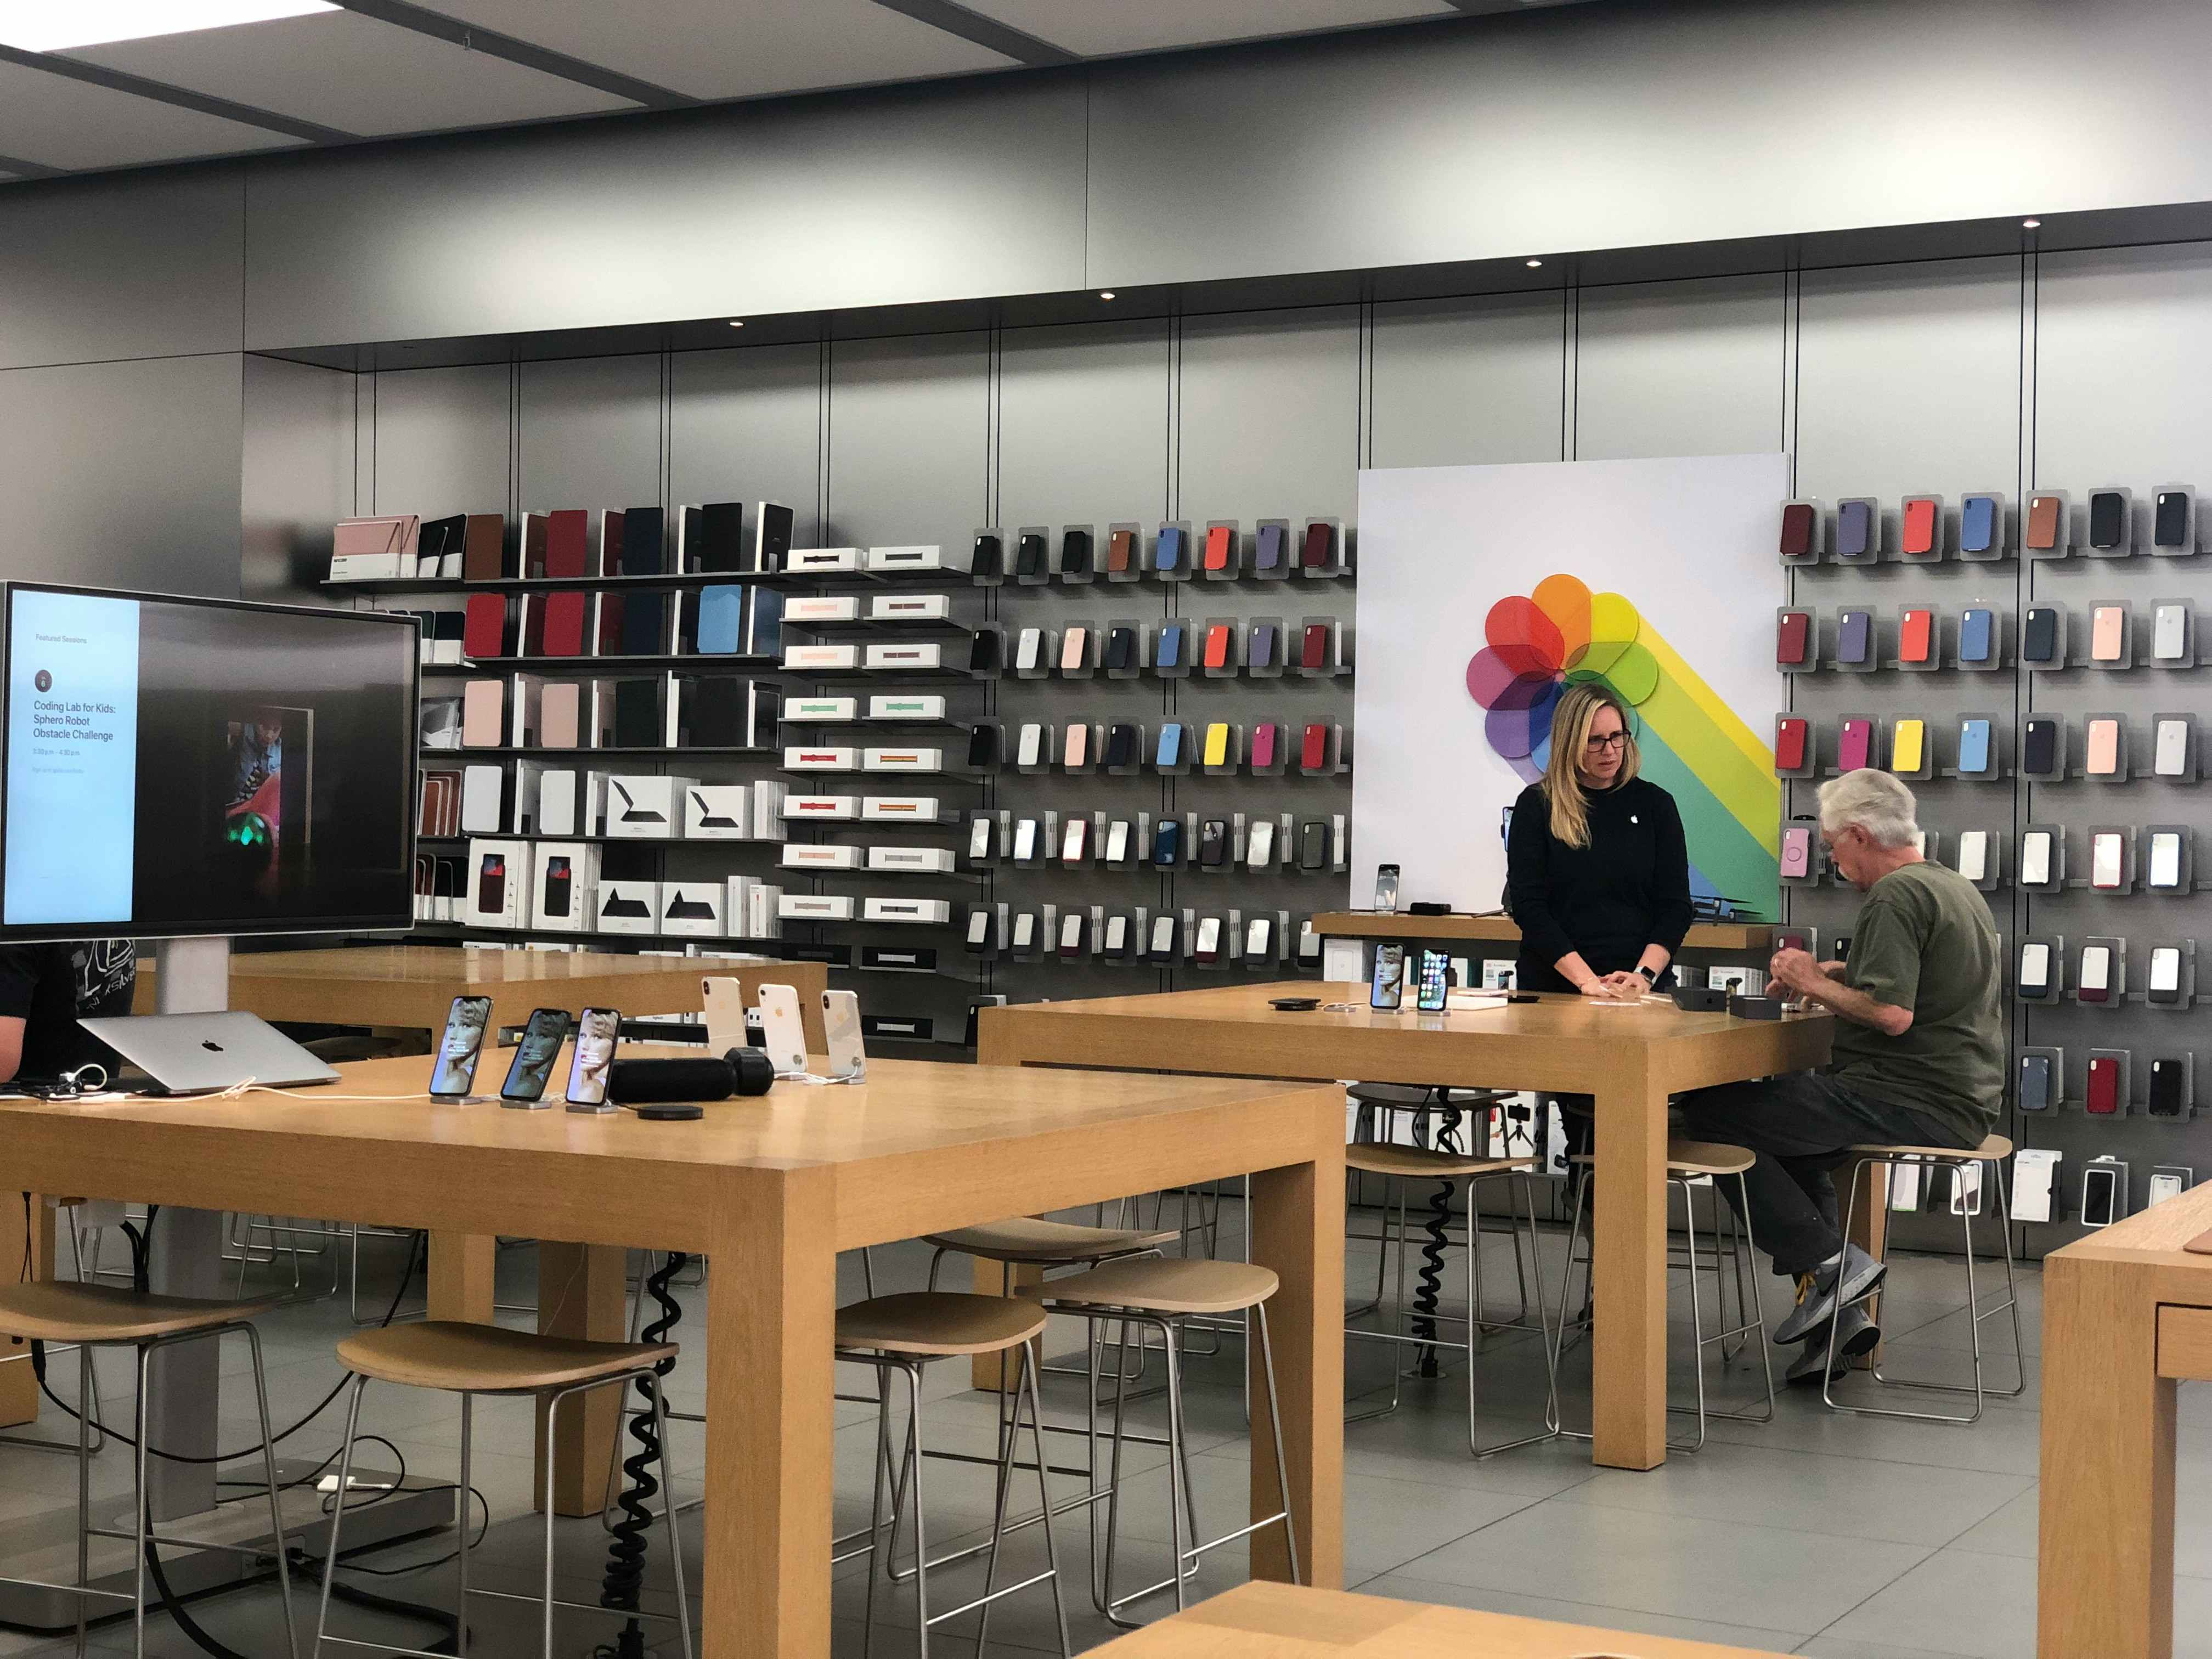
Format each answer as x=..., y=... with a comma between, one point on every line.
x=1209, y=937
x=1974, y=854
x=1031, y=746
x=840, y=1025
x=978, y=928
x=2165, y=860
x=1163, y=935
x=979, y=838
x=2035, y=967
x=1026, y=836
x=2105, y=860
x=1027, y=643
x=2171, y=757
x=1070, y=933
x=1024, y=929
x=2035, y=858
x=1117, y=841
x=1074, y=838
x=1117, y=935
x=1259, y=945
x=2166, y=632
x=783, y=1028
x=2165, y=968
x=2096, y=967
x=1259, y=845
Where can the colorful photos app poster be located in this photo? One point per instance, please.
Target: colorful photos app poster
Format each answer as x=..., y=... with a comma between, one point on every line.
x=1485, y=592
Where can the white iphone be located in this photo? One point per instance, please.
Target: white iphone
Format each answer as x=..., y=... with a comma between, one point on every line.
x=1117, y=841
x=783, y=1029
x=1163, y=934
x=2105, y=860
x=2035, y=858
x=1025, y=839
x=2170, y=758
x=1260, y=844
x=1074, y=837
x=840, y=1026
x=1031, y=748
x=978, y=838
x=1259, y=939
x=725, y=1000
x=2165, y=860
x=1028, y=644
x=1209, y=938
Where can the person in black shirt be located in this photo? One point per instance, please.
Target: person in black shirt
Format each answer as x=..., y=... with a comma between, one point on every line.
x=45, y=989
x=1597, y=872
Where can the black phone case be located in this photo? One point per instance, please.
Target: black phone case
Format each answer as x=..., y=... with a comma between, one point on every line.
x=1121, y=745
x=986, y=556
x=2038, y=641
x=983, y=746
x=1167, y=843
x=1213, y=843
x=1029, y=556
x=1313, y=847
x=1120, y=648
x=2170, y=521
x=2108, y=518
x=2166, y=1095
x=2035, y=1083
x=1075, y=553
x=2038, y=746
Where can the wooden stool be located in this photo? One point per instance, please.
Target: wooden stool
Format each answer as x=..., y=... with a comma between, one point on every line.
x=1399, y=1165
x=472, y=1359
x=906, y=1334
x=104, y=1316
x=1162, y=1293
x=1686, y=1161
x=1993, y=1151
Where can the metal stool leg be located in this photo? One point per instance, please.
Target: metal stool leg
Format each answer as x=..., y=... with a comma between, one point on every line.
x=1282, y=1463
x=83, y=1490
x=461, y=1516
x=338, y=1515
x=138, y=1517
x=276, y=1503
x=651, y=1380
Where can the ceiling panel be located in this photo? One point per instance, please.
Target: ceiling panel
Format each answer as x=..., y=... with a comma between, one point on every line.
x=60, y=123
x=735, y=48
x=1091, y=28
x=353, y=73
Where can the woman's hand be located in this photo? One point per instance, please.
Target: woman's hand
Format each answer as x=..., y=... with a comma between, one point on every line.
x=1629, y=987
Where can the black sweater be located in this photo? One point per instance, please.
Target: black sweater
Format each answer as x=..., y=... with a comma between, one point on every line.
x=1629, y=888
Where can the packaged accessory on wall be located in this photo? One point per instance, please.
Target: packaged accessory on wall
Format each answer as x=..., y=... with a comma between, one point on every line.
x=2034, y=1184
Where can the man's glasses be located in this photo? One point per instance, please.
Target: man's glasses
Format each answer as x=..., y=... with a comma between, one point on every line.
x=1616, y=741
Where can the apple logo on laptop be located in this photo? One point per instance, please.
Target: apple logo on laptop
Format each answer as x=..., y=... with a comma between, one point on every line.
x=211, y=1045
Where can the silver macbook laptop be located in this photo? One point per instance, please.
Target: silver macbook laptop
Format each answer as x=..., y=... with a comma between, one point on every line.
x=190, y=1054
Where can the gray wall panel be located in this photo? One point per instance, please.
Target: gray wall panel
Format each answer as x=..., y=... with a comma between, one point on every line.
x=909, y=438
x=1462, y=382
x=1679, y=368
x=125, y=474
x=140, y=265
x=1614, y=127
x=2123, y=350
x=590, y=432
x=916, y=193
x=1270, y=414
x=297, y=476
x=746, y=425
x=437, y=442
x=1083, y=426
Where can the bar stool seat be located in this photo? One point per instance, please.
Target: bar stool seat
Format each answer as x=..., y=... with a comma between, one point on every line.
x=45, y=1312
x=1992, y=1147
x=463, y=1359
x=1169, y=1285
x=939, y=1323
x=1708, y=1158
x=1417, y=1162
x=1036, y=1242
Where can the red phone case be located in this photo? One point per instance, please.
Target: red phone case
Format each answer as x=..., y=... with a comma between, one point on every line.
x=1314, y=754
x=1219, y=540
x=1320, y=540
x=567, y=543
x=484, y=633
x=1915, y=635
x=1217, y=646
x=1797, y=530
x=1917, y=536
x=2104, y=1088
x=1796, y=627
x=1315, y=651
x=564, y=623
x=1790, y=746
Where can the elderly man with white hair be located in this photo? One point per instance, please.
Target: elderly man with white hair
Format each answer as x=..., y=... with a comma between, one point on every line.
x=1918, y=1057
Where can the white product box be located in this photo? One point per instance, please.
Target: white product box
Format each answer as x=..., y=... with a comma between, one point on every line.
x=900, y=809
x=798, y=808
x=496, y=884
x=693, y=907
x=804, y=855
x=483, y=800
x=646, y=807
x=814, y=907
x=763, y=910
x=822, y=608
x=809, y=759
x=560, y=796
x=910, y=607
x=628, y=907
x=767, y=806
x=718, y=811
x=370, y=567
x=799, y=710
x=822, y=658
x=959, y=557
x=910, y=654
x=902, y=760
x=800, y=560
x=564, y=878
x=907, y=706
x=920, y=860
x=935, y=912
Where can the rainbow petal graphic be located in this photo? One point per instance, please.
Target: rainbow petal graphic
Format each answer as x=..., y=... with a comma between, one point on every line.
x=1719, y=771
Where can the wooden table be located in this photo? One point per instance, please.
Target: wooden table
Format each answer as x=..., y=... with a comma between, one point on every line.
x=772, y=1189
x=1630, y=1056
x=1281, y=1621
x=413, y=985
x=1733, y=938
x=2127, y=1313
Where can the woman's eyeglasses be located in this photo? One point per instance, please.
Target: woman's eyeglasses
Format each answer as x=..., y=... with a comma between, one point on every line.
x=1615, y=740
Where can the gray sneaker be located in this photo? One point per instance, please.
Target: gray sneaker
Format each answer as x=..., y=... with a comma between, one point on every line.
x=1858, y=1335
x=1857, y=1277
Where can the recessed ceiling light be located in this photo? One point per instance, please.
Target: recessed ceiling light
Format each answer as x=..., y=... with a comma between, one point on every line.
x=2031, y=224
x=41, y=26
x=736, y=322
x=1534, y=264
x=1105, y=293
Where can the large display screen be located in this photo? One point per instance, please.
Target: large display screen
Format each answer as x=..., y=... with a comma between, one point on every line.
x=177, y=767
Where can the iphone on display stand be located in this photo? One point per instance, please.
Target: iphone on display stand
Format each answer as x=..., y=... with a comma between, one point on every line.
x=782, y=1030
x=455, y=1072
x=1388, y=988
x=532, y=1067
x=1386, y=889
x=840, y=1025
x=1432, y=988
x=598, y=1034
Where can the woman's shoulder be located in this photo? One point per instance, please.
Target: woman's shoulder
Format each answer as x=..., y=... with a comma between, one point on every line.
x=1531, y=797
x=1644, y=792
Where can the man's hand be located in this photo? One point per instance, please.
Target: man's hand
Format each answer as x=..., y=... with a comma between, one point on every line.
x=1795, y=970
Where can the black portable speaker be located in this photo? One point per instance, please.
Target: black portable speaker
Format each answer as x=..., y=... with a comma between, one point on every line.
x=682, y=1084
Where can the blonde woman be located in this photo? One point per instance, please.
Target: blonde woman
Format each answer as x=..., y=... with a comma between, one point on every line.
x=1596, y=871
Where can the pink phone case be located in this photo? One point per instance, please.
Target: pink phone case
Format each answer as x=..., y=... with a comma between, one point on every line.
x=1856, y=746
x=1796, y=852
x=1073, y=645
x=1076, y=748
x=2104, y=632
x=2104, y=748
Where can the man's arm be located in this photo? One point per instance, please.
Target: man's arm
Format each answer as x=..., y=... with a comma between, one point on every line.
x=1797, y=971
x=11, y=1047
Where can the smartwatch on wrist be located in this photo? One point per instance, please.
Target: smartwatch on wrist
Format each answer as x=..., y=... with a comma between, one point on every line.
x=1650, y=974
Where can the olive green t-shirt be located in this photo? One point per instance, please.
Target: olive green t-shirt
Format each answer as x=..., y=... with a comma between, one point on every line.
x=1924, y=940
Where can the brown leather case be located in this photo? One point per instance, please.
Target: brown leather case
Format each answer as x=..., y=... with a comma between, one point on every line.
x=483, y=551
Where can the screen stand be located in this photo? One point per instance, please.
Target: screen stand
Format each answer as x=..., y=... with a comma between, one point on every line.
x=182, y=1391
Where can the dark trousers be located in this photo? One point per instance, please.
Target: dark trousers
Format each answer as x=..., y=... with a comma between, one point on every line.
x=1799, y=1124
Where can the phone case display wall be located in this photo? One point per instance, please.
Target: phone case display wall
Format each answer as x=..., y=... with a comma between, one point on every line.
x=2030, y=668
x=673, y=726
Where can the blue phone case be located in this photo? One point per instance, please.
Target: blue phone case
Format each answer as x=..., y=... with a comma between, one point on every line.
x=1167, y=842
x=1262, y=652
x=1974, y=747
x=1977, y=524
x=1974, y=632
x=1170, y=654
x=1268, y=555
x=722, y=620
x=1854, y=526
x=1854, y=634
x=1170, y=752
x=1167, y=551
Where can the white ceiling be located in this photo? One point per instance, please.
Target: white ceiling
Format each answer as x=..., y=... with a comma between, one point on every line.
x=384, y=68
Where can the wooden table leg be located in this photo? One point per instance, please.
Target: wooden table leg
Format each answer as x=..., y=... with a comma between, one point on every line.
x=19, y=1383
x=1628, y=1383
x=581, y=1293
x=2104, y=1578
x=462, y=1267
x=985, y=1371
x=770, y=1373
x=1297, y=1229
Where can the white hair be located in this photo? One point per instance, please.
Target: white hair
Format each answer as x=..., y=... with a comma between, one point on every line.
x=1875, y=801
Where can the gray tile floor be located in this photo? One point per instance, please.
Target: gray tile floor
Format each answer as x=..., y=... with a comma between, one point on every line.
x=1814, y=1533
